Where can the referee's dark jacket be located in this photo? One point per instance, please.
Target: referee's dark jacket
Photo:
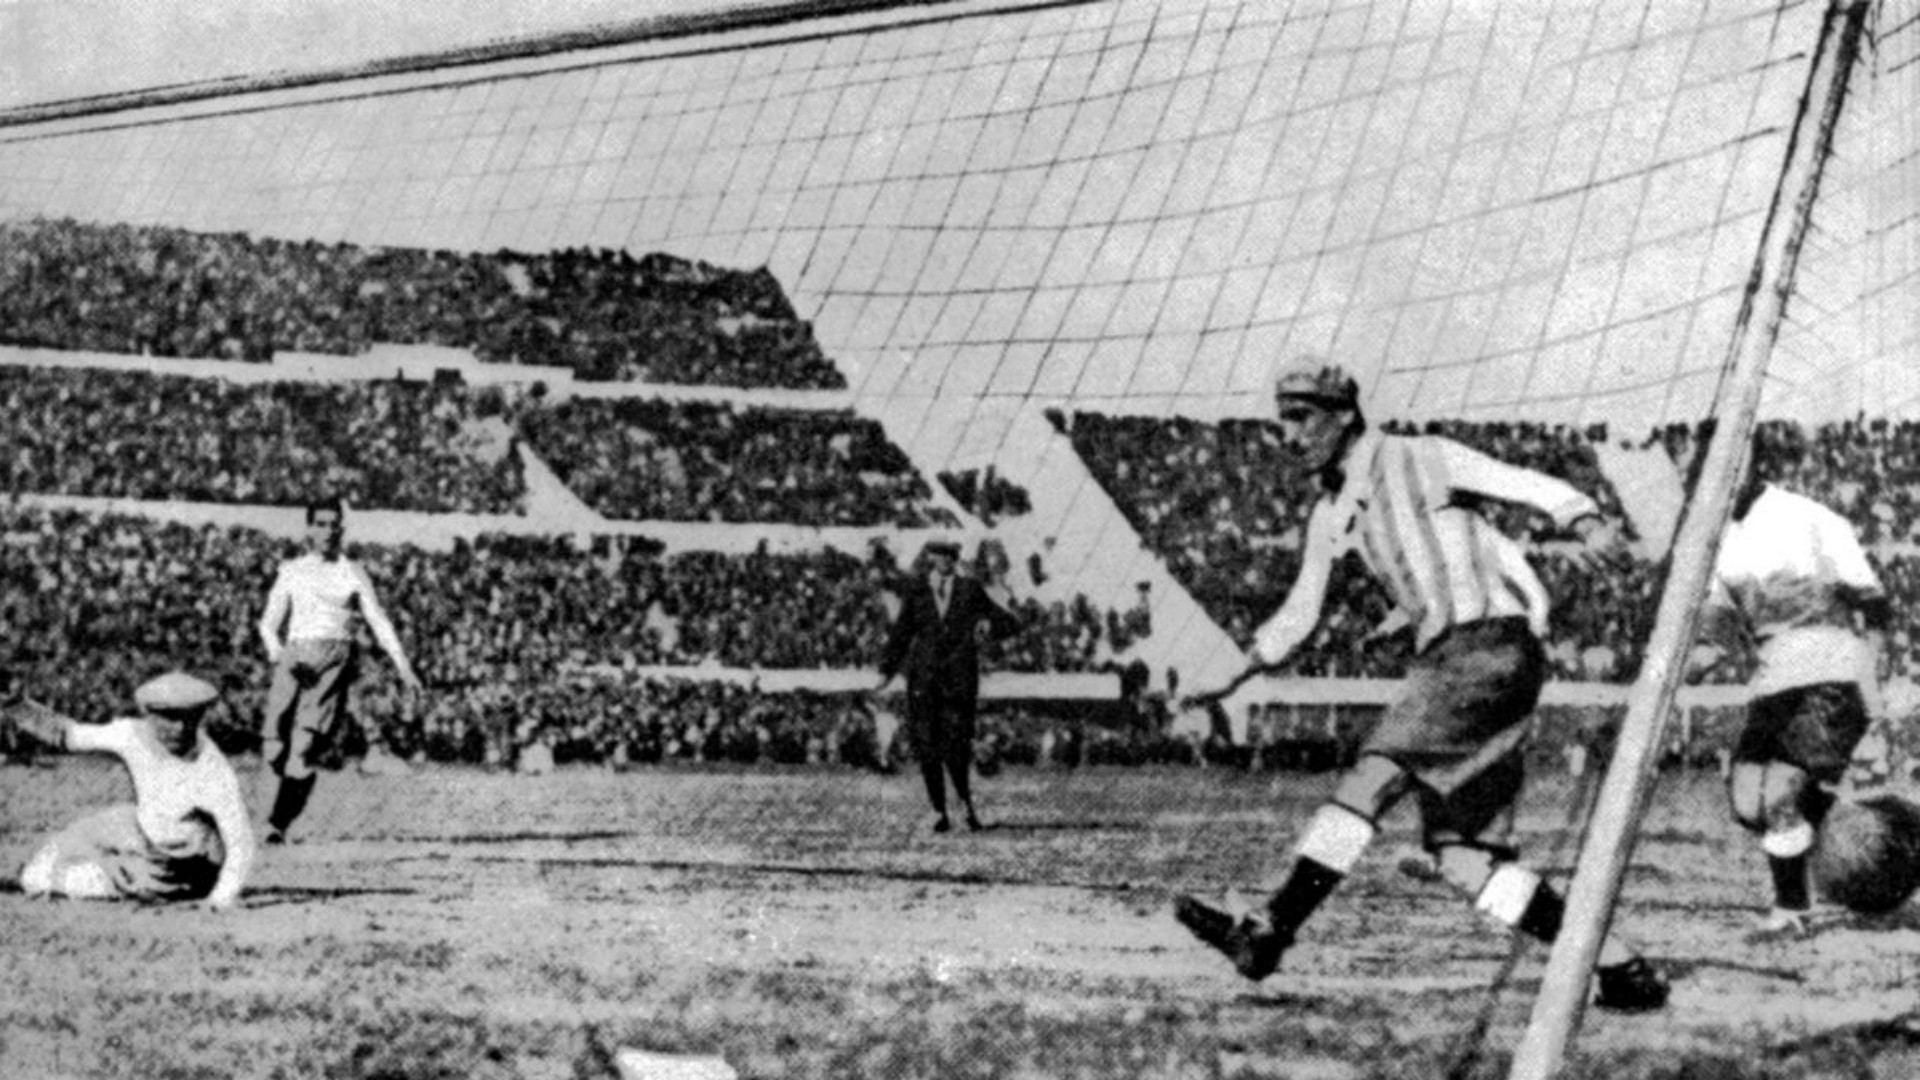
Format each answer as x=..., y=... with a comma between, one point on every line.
x=940, y=654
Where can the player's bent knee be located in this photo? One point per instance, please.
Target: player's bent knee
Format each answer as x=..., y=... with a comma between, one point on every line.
x=1466, y=867
x=1780, y=792
x=1336, y=836
x=1745, y=795
x=36, y=877
x=1372, y=786
x=83, y=881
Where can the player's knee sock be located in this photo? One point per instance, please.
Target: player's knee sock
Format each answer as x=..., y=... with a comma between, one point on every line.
x=85, y=881
x=1335, y=839
x=289, y=800
x=1516, y=897
x=36, y=878
x=931, y=773
x=1786, y=851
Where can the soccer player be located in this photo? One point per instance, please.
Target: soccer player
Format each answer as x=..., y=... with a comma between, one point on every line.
x=308, y=628
x=1405, y=505
x=1792, y=575
x=184, y=837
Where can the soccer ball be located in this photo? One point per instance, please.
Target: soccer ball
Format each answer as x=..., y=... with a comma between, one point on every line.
x=1868, y=858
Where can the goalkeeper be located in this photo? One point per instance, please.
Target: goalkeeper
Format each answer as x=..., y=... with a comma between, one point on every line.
x=1405, y=505
x=185, y=836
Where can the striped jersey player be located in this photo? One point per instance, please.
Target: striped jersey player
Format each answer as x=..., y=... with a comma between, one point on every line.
x=1453, y=741
x=1792, y=575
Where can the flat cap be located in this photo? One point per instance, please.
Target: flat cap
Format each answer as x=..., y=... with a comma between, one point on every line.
x=176, y=691
x=949, y=548
x=1326, y=385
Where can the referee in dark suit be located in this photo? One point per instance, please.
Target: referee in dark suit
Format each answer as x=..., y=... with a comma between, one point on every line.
x=935, y=643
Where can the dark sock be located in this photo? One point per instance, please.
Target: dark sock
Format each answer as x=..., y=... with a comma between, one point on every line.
x=930, y=772
x=1306, y=888
x=1815, y=801
x=289, y=801
x=1790, y=882
x=1545, y=909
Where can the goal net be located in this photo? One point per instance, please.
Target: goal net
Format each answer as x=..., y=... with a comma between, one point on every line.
x=1068, y=245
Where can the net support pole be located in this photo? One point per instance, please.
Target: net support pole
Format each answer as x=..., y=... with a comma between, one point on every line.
x=1616, y=816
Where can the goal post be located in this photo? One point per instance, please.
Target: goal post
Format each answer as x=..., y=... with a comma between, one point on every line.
x=1611, y=831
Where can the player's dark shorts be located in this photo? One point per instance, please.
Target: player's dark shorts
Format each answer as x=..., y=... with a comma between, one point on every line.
x=1461, y=723
x=1814, y=727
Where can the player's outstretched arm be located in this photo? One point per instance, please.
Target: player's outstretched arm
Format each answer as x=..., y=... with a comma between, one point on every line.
x=45, y=724
x=1465, y=469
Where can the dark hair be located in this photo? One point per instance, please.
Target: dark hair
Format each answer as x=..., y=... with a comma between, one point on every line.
x=327, y=502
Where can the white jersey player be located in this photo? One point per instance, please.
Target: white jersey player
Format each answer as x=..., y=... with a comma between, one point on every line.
x=186, y=834
x=1793, y=576
x=308, y=628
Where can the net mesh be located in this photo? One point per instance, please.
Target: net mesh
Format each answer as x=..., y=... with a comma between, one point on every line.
x=1139, y=209
x=1075, y=241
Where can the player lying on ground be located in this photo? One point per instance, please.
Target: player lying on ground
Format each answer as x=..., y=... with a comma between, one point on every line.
x=1791, y=573
x=185, y=836
x=1454, y=739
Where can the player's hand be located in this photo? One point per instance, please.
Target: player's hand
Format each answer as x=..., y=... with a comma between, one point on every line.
x=1205, y=698
x=44, y=724
x=1600, y=541
x=1704, y=657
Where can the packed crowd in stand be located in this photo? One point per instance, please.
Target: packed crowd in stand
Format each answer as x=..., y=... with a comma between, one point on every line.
x=441, y=447
x=145, y=290
x=94, y=603
x=1214, y=501
x=648, y=459
x=986, y=494
x=130, y=434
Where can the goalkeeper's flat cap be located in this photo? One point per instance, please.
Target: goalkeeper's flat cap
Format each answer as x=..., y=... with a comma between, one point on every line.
x=1326, y=385
x=175, y=692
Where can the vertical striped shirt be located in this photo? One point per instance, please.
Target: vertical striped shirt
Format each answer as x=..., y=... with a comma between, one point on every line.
x=1406, y=504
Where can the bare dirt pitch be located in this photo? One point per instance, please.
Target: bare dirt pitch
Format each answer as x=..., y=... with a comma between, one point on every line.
x=804, y=923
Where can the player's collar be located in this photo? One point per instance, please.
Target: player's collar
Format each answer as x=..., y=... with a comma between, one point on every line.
x=1333, y=476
